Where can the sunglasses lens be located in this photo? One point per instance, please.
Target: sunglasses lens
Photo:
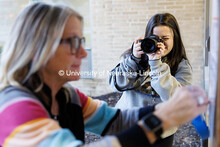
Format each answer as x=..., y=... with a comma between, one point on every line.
x=75, y=44
x=83, y=42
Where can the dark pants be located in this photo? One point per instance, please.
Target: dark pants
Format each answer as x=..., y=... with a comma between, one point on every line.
x=166, y=142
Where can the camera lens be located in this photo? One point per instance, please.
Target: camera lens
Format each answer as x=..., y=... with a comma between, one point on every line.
x=149, y=44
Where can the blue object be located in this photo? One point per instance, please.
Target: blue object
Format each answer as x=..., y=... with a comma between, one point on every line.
x=201, y=127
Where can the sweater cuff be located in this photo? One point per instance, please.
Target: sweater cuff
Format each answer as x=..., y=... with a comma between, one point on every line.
x=137, y=60
x=133, y=136
x=154, y=64
x=131, y=63
x=145, y=110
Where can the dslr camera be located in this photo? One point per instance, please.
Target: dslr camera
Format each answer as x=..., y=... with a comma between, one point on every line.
x=149, y=44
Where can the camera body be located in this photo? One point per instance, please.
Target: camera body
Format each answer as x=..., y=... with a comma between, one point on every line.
x=149, y=44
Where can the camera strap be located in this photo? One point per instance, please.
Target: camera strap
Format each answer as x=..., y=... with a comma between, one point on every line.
x=141, y=67
x=143, y=63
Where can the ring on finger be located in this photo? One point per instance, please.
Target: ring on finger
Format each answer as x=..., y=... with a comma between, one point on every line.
x=200, y=100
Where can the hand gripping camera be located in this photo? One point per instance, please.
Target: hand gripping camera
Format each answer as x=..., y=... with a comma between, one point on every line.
x=149, y=44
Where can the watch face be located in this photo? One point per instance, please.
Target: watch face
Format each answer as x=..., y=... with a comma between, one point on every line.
x=152, y=122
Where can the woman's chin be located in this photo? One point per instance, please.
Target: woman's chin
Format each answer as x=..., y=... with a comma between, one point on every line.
x=74, y=78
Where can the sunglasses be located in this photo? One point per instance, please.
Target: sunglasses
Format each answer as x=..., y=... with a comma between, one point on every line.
x=75, y=43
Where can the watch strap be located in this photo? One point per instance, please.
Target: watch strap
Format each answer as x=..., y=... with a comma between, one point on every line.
x=159, y=132
x=153, y=124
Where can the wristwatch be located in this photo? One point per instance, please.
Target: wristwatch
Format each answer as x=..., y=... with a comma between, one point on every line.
x=153, y=123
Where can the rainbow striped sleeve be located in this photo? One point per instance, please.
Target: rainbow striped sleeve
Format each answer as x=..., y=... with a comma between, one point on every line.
x=97, y=115
x=25, y=122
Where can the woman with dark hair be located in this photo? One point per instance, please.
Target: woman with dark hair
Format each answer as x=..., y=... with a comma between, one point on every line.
x=147, y=77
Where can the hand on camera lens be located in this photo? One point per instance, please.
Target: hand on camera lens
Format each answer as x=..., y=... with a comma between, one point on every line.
x=159, y=53
x=137, y=52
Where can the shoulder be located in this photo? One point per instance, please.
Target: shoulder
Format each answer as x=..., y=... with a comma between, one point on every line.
x=184, y=63
x=18, y=106
x=18, y=96
x=12, y=91
x=76, y=96
x=184, y=68
x=13, y=94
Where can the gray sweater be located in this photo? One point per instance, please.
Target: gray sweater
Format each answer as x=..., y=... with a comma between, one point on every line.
x=160, y=80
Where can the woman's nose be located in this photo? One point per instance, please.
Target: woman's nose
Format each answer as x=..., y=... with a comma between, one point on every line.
x=82, y=52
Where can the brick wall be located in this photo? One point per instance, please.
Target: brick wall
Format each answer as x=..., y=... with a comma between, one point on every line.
x=116, y=23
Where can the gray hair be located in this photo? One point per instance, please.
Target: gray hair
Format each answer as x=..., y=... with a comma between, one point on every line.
x=34, y=38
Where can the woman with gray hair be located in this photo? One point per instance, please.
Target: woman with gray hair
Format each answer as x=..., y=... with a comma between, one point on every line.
x=39, y=108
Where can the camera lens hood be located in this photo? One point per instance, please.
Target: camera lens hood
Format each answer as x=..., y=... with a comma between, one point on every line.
x=149, y=45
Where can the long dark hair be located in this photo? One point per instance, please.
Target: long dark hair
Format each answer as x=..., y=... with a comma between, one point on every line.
x=178, y=52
